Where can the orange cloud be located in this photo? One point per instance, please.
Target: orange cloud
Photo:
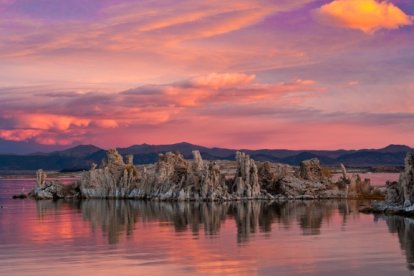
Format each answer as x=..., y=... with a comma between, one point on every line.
x=216, y=81
x=18, y=134
x=365, y=15
x=51, y=121
x=106, y=123
x=81, y=115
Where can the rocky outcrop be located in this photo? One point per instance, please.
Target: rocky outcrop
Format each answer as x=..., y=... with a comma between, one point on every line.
x=399, y=196
x=174, y=178
x=52, y=189
x=171, y=178
x=356, y=188
x=246, y=181
x=297, y=188
x=393, y=192
x=114, y=179
x=41, y=178
x=401, y=193
x=270, y=175
x=311, y=170
x=407, y=180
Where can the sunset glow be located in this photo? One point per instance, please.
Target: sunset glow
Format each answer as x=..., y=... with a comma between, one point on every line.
x=303, y=74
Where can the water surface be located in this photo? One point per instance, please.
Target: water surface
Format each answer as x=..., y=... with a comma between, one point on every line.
x=377, y=179
x=126, y=237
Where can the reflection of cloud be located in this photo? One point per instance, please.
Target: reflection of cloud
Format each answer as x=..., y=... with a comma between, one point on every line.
x=365, y=15
x=237, y=238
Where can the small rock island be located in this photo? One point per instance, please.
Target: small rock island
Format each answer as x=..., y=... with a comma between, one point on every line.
x=399, y=196
x=173, y=178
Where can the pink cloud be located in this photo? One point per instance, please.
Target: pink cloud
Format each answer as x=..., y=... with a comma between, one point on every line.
x=50, y=121
x=275, y=68
x=229, y=109
x=217, y=81
x=19, y=134
x=68, y=117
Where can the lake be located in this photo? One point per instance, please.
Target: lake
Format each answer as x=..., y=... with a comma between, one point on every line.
x=126, y=237
x=377, y=179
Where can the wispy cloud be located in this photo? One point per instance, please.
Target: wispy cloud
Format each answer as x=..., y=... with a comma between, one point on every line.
x=213, y=72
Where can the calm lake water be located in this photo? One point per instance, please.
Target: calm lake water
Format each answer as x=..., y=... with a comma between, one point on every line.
x=377, y=179
x=120, y=237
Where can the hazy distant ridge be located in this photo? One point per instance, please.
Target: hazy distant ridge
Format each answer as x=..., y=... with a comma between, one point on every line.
x=80, y=157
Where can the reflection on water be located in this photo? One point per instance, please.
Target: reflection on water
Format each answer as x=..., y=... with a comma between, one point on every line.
x=127, y=237
x=404, y=228
x=118, y=217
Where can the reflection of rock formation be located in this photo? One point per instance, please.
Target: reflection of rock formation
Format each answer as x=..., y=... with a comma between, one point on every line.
x=312, y=214
x=112, y=216
x=118, y=217
x=404, y=228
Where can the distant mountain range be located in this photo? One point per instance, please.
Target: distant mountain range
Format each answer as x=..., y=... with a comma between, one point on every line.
x=81, y=157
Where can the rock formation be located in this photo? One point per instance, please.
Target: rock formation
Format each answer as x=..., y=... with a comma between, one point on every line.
x=171, y=178
x=401, y=193
x=52, y=189
x=114, y=180
x=344, y=172
x=176, y=179
x=246, y=181
x=399, y=196
x=407, y=180
x=270, y=175
x=311, y=170
x=40, y=178
x=356, y=188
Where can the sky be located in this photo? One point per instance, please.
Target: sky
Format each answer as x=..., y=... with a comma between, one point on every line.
x=294, y=74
